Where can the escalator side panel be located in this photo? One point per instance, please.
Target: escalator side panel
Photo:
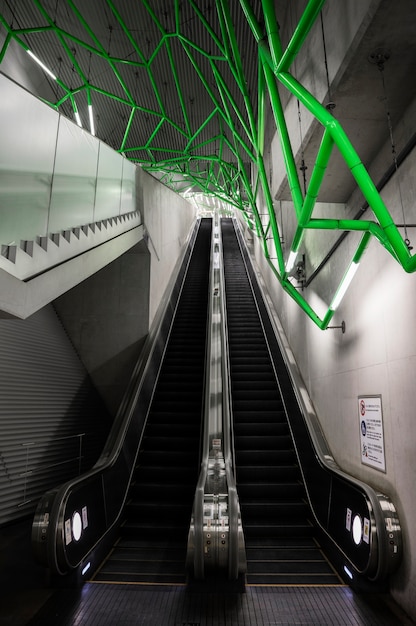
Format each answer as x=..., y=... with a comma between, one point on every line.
x=152, y=543
x=279, y=535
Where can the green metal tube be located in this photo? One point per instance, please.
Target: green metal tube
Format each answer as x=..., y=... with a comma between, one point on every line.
x=125, y=29
x=252, y=20
x=178, y=88
x=272, y=215
x=154, y=16
x=207, y=26
x=5, y=46
x=285, y=144
x=301, y=32
x=240, y=79
x=261, y=107
x=224, y=87
x=97, y=42
x=321, y=163
x=126, y=132
x=272, y=30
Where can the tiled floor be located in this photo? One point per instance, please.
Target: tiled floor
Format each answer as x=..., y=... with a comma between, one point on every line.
x=26, y=599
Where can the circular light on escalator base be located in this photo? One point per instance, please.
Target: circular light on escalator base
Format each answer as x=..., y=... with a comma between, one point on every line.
x=76, y=526
x=357, y=530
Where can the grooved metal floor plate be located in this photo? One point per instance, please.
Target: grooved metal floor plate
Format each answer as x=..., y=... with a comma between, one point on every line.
x=98, y=604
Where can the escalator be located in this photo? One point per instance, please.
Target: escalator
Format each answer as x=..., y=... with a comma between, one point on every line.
x=151, y=547
x=281, y=546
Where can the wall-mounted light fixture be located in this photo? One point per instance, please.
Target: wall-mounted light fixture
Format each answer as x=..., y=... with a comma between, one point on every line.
x=345, y=283
x=341, y=326
x=291, y=261
x=77, y=117
x=91, y=116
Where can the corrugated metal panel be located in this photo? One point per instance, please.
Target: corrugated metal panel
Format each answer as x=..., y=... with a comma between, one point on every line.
x=99, y=28
x=52, y=422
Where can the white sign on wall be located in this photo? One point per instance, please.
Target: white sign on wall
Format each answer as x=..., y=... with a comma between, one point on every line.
x=371, y=432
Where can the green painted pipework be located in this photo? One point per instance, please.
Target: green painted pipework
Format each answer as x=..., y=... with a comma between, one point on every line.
x=207, y=26
x=126, y=30
x=302, y=30
x=105, y=55
x=321, y=163
x=178, y=88
x=225, y=181
x=240, y=79
x=222, y=86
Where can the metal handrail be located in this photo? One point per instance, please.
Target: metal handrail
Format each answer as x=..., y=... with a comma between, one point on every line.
x=237, y=558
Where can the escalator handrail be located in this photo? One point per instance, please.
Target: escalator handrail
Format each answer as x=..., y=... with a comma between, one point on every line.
x=49, y=526
x=388, y=541
x=237, y=561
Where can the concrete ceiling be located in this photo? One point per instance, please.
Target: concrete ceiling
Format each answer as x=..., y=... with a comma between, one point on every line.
x=362, y=101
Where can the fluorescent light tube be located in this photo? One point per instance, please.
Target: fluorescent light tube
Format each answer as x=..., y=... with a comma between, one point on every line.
x=43, y=66
x=344, y=286
x=92, y=128
x=78, y=119
x=291, y=261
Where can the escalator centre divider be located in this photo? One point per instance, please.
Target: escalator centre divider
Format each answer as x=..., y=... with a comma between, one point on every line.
x=216, y=543
x=76, y=523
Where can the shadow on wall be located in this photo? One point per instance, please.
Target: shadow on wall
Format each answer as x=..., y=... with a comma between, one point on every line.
x=107, y=319
x=53, y=424
x=112, y=377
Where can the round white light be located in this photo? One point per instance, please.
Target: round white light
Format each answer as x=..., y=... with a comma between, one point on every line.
x=357, y=530
x=76, y=526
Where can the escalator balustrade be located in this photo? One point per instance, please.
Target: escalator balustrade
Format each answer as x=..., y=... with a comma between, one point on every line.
x=153, y=536
x=280, y=544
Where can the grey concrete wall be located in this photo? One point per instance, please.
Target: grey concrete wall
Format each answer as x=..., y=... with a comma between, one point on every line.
x=168, y=219
x=376, y=354
x=106, y=317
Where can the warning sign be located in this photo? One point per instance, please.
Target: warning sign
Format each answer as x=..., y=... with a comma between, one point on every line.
x=371, y=432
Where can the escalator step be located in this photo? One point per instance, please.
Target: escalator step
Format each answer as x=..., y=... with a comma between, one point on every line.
x=265, y=457
x=275, y=473
x=267, y=492
x=272, y=510
x=277, y=530
x=244, y=429
x=263, y=442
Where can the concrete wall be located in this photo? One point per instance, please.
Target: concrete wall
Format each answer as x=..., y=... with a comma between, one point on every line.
x=108, y=316
x=168, y=219
x=375, y=355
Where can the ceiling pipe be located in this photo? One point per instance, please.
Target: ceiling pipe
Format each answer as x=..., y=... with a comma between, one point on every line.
x=388, y=174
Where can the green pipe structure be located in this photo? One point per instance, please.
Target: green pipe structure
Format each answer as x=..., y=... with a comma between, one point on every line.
x=221, y=145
